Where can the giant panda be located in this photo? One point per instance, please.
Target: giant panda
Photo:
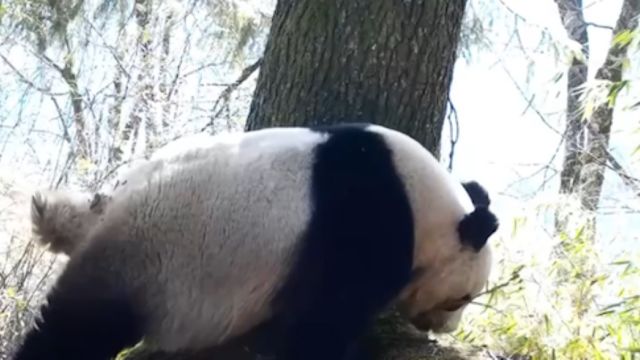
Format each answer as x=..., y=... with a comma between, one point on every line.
x=62, y=219
x=316, y=230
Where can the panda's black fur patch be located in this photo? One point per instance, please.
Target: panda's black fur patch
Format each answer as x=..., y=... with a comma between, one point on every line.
x=86, y=317
x=357, y=253
x=476, y=227
x=477, y=193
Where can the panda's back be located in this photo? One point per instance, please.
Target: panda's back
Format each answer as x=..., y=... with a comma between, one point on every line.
x=226, y=217
x=216, y=226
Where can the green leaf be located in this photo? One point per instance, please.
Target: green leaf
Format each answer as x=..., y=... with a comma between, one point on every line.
x=146, y=36
x=623, y=38
x=517, y=222
x=11, y=292
x=614, y=91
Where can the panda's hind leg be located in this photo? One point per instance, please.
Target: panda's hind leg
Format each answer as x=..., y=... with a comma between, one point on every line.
x=88, y=314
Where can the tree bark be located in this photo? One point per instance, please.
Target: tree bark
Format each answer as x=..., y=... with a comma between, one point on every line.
x=598, y=131
x=386, y=62
x=572, y=17
x=69, y=76
x=587, y=140
x=379, y=61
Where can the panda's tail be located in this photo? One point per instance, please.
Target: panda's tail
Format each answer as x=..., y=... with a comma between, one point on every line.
x=61, y=220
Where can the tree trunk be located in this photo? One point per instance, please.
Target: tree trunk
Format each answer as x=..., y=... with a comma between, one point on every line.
x=595, y=155
x=572, y=17
x=386, y=62
x=587, y=140
x=380, y=61
x=83, y=149
x=141, y=114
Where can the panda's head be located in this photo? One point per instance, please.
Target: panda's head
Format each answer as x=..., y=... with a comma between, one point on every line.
x=453, y=266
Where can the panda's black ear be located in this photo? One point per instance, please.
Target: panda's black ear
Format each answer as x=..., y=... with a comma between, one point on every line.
x=475, y=228
x=478, y=194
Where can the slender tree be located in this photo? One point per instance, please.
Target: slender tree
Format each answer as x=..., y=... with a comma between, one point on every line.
x=587, y=133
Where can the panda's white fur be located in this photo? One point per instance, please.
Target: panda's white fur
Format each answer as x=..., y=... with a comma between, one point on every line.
x=216, y=203
x=203, y=237
x=451, y=274
x=62, y=219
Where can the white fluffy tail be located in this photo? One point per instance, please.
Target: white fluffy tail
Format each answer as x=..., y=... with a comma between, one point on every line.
x=62, y=220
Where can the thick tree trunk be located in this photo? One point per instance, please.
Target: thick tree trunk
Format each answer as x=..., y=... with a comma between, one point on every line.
x=387, y=62
x=380, y=61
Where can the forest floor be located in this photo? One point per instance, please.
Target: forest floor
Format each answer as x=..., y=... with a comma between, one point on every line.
x=395, y=339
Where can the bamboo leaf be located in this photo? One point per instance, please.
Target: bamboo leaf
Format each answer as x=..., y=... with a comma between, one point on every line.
x=623, y=38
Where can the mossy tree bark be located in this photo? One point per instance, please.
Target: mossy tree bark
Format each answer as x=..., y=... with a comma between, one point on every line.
x=380, y=61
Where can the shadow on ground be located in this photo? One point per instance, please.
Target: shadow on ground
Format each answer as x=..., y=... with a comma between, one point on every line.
x=391, y=339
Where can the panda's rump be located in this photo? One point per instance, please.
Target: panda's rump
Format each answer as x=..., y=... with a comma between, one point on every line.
x=218, y=234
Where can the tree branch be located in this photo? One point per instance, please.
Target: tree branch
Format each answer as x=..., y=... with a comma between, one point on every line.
x=631, y=182
x=25, y=80
x=606, y=27
x=224, y=96
x=454, y=131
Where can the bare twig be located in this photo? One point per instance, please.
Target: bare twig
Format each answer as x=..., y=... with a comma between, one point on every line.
x=111, y=48
x=25, y=80
x=65, y=129
x=599, y=26
x=454, y=131
x=177, y=75
x=200, y=68
x=224, y=96
x=632, y=182
x=530, y=102
x=487, y=306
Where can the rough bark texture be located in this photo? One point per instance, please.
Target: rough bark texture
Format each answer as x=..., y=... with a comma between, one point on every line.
x=387, y=62
x=573, y=19
x=599, y=126
x=587, y=141
x=380, y=61
x=83, y=149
